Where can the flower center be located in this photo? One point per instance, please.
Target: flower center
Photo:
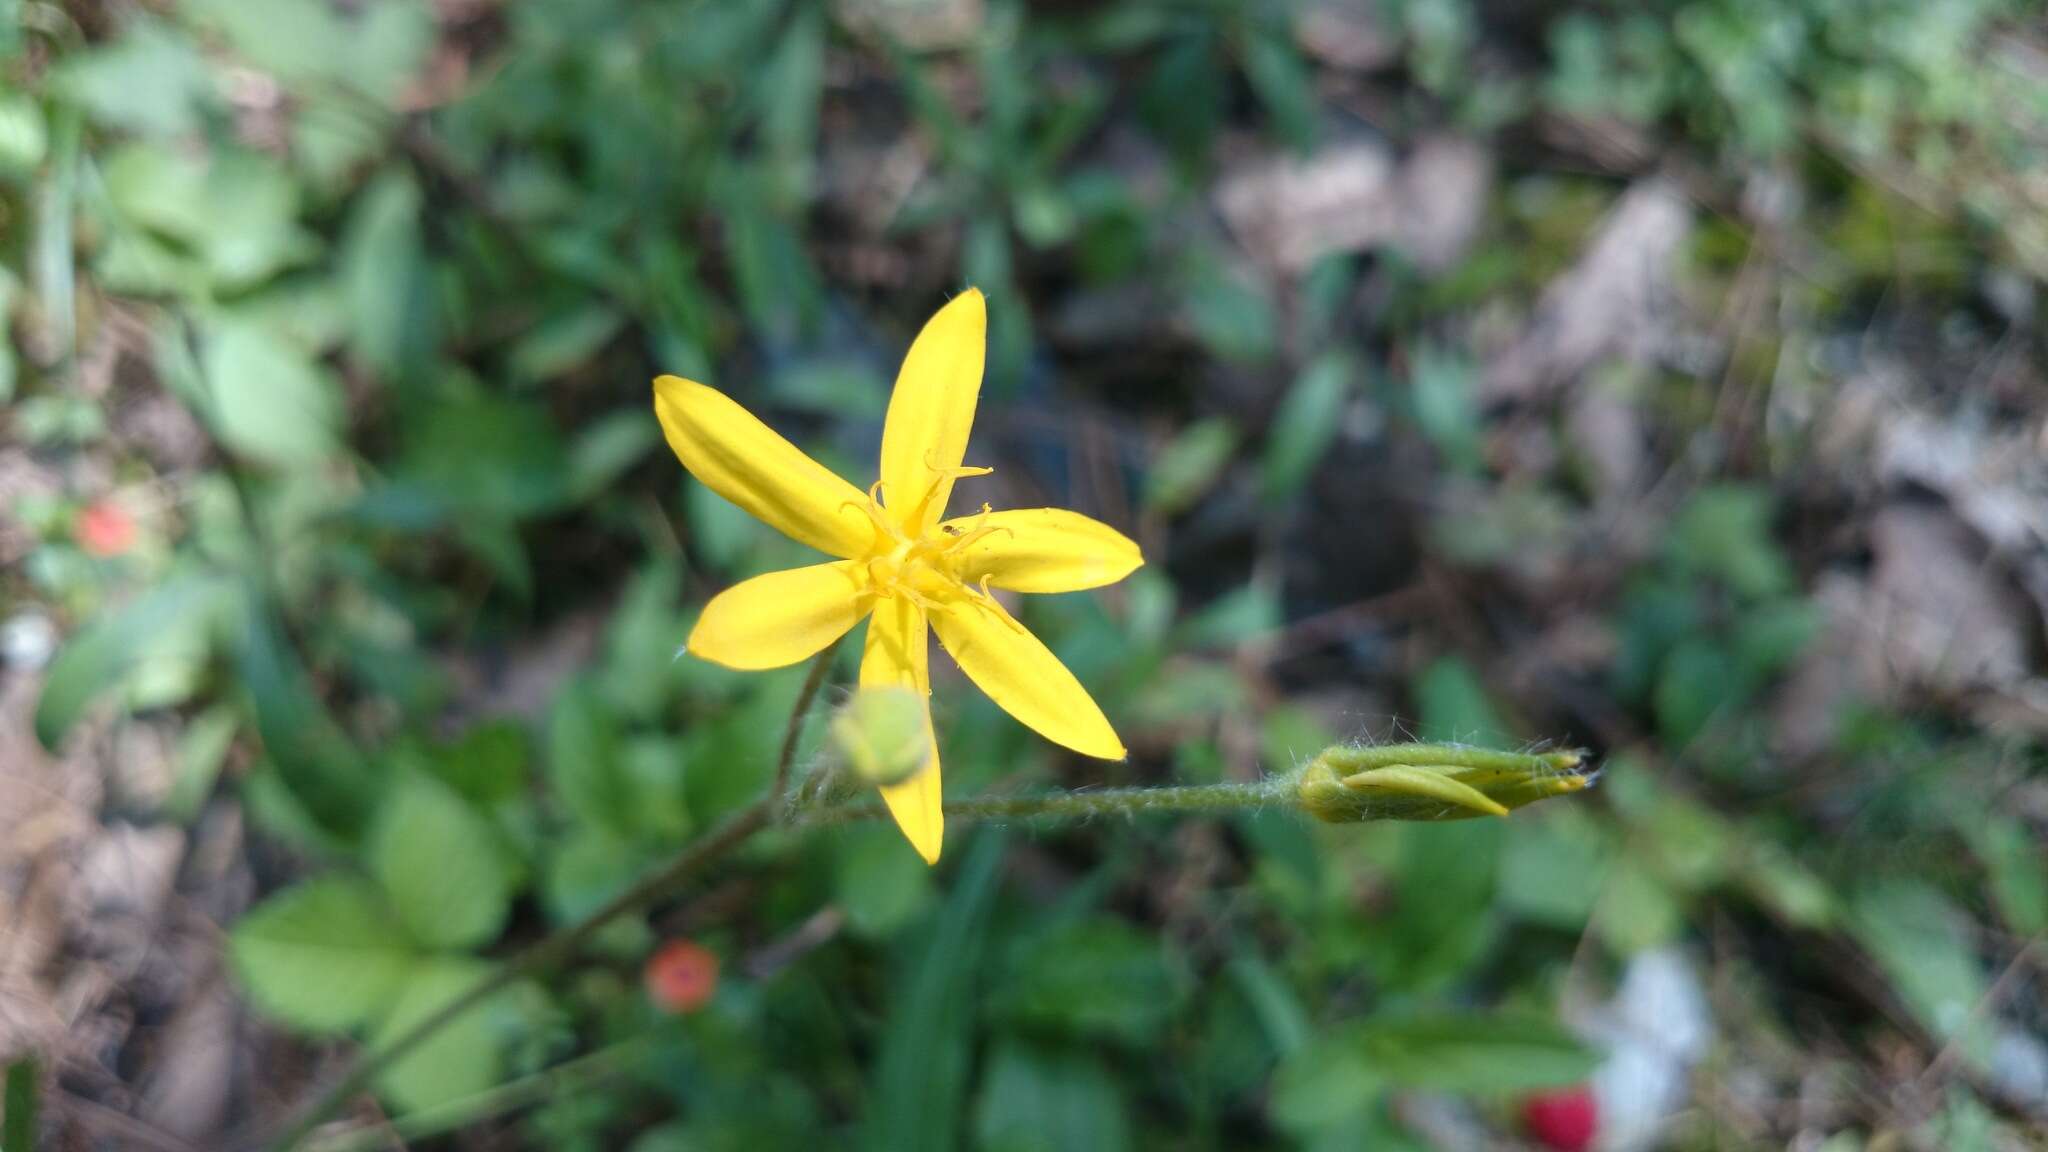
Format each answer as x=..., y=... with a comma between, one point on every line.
x=922, y=569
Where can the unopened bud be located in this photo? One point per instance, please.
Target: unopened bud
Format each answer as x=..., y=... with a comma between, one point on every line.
x=1345, y=785
x=885, y=734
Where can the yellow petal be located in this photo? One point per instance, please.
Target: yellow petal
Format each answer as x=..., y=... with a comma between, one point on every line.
x=781, y=618
x=1043, y=550
x=932, y=411
x=898, y=654
x=743, y=460
x=1024, y=677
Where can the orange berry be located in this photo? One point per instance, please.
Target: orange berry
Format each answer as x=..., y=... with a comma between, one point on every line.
x=681, y=976
x=104, y=529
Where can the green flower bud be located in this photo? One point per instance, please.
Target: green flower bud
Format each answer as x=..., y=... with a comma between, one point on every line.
x=885, y=734
x=1345, y=785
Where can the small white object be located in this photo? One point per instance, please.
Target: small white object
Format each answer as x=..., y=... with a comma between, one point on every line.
x=27, y=641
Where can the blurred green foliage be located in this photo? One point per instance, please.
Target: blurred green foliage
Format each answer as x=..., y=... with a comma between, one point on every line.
x=417, y=594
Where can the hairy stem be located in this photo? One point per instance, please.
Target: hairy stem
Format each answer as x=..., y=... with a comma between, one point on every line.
x=1082, y=805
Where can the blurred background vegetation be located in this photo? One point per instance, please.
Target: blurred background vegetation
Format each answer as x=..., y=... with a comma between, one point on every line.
x=1665, y=378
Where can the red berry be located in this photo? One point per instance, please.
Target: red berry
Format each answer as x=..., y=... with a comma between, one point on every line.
x=681, y=976
x=104, y=529
x=1563, y=1121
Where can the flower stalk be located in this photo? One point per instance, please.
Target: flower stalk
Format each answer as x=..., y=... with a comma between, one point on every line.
x=1344, y=784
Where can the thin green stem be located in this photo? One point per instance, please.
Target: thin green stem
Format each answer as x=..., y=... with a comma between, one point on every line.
x=1082, y=805
x=814, y=680
x=497, y=1101
x=542, y=954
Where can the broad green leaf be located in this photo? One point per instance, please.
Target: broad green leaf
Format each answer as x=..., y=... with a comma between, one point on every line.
x=486, y=764
x=1229, y=312
x=1486, y=1054
x=584, y=751
x=461, y=1059
x=1189, y=466
x=151, y=81
x=372, y=48
x=114, y=649
x=1039, y=1099
x=323, y=956
x=1724, y=532
x=1328, y=1082
x=1552, y=867
x=236, y=210
x=327, y=776
x=381, y=270
x=586, y=867
x=1097, y=979
x=268, y=399
x=1698, y=680
x=879, y=885
x=24, y=139
x=563, y=341
x=1444, y=386
x=1452, y=704
x=202, y=749
x=1922, y=943
x=440, y=864
x=2017, y=866
x=1283, y=84
x=604, y=449
x=1637, y=910
x=1306, y=425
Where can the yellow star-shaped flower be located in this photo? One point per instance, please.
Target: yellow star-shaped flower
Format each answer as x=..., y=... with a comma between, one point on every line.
x=902, y=566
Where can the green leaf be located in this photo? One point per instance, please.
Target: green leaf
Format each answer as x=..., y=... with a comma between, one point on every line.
x=921, y=1069
x=202, y=749
x=584, y=760
x=371, y=47
x=318, y=764
x=236, y=210
x=21, y=1103
x=1724, y=532
x=1329, y=1082
x=2018, y=872
x=1490, y=1054
x=1452, y=705
x=587, y=867
x=1190, y=465
x=151, y=81
x=1637, y=910
x=1921, y=941
x=605, y=449
x=1444, y=386
x=1096, y=979
x=461, y=1059
x=323, y=957
x=1047, y=1100
x=1698, y=680
x=1282, y=83
x=1306, y=424
x=268, y=399
x=1552, y=867
x=440, y=863
x=24, y=139
x=879, y=883
x=381, y=271
x=1230, y=313
x=114, y=649
x=563, y=341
